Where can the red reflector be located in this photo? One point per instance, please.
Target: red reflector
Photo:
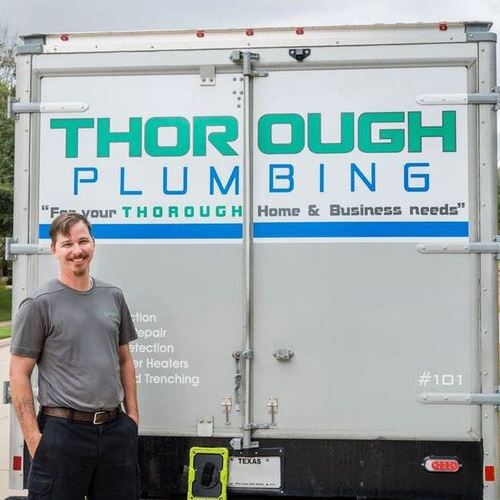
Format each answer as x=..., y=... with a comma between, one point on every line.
x=489, y=473
x=299, y=31
x=443, y=27
x=441, y=465
x=17, y=463
x=249, y=32
x=64, y=38
x=200, y=34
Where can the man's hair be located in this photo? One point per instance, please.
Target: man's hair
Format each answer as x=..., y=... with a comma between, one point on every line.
x=63, y=223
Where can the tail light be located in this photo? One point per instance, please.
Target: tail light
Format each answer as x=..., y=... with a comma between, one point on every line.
x=17, y=463
x=441, y=464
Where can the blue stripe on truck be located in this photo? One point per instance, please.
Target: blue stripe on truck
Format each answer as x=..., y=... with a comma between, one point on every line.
x=160, y=231
x=358, y=229
x=277, y=230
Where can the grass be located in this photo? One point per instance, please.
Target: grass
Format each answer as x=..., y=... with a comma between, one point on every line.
x=5, y=303
x=5, y=332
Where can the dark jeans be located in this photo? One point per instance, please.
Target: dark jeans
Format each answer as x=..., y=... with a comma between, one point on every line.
x=74, y=460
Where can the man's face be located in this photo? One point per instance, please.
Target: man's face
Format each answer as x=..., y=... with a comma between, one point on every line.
x=75, y=251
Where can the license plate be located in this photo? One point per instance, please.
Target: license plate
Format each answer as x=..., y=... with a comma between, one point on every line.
x=255, y=472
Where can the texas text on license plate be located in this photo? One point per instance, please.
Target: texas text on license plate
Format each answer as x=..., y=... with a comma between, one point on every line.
x=255, y=472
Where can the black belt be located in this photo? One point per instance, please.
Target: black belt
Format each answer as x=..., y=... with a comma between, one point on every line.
x=91, y=417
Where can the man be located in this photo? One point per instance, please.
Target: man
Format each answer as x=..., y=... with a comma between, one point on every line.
x=76, y=329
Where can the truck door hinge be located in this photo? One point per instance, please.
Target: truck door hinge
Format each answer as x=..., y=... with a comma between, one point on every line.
x=492, y=98
x=13, y=249
x=460, y=398
x=246, y=58
x=205, y=426
x=14, y=107
x=7, y=398
x=207, y=75
x=469, y=247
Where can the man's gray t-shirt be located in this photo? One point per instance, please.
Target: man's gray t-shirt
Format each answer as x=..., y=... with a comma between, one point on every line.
x=74, y=336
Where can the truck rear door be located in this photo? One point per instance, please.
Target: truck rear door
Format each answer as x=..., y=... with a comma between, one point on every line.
x=154, y=164
x=352, y=174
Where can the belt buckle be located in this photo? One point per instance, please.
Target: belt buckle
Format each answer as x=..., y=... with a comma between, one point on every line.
x=96, y=415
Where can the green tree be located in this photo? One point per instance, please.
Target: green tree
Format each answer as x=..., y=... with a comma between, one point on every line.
x=6, y=171
x=7, y=60
x=7, y=79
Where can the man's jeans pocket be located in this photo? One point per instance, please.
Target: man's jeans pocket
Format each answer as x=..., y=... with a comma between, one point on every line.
x=39, y=485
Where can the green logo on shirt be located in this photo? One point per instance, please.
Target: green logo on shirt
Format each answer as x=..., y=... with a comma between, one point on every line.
x=109, y=313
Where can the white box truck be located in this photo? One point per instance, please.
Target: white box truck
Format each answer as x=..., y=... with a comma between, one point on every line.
x=303, y=221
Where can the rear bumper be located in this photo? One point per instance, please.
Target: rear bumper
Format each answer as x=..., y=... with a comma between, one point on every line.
x=377, y=469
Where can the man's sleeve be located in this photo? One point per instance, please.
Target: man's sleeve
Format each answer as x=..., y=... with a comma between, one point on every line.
x=28, y=335
x=127, y=328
